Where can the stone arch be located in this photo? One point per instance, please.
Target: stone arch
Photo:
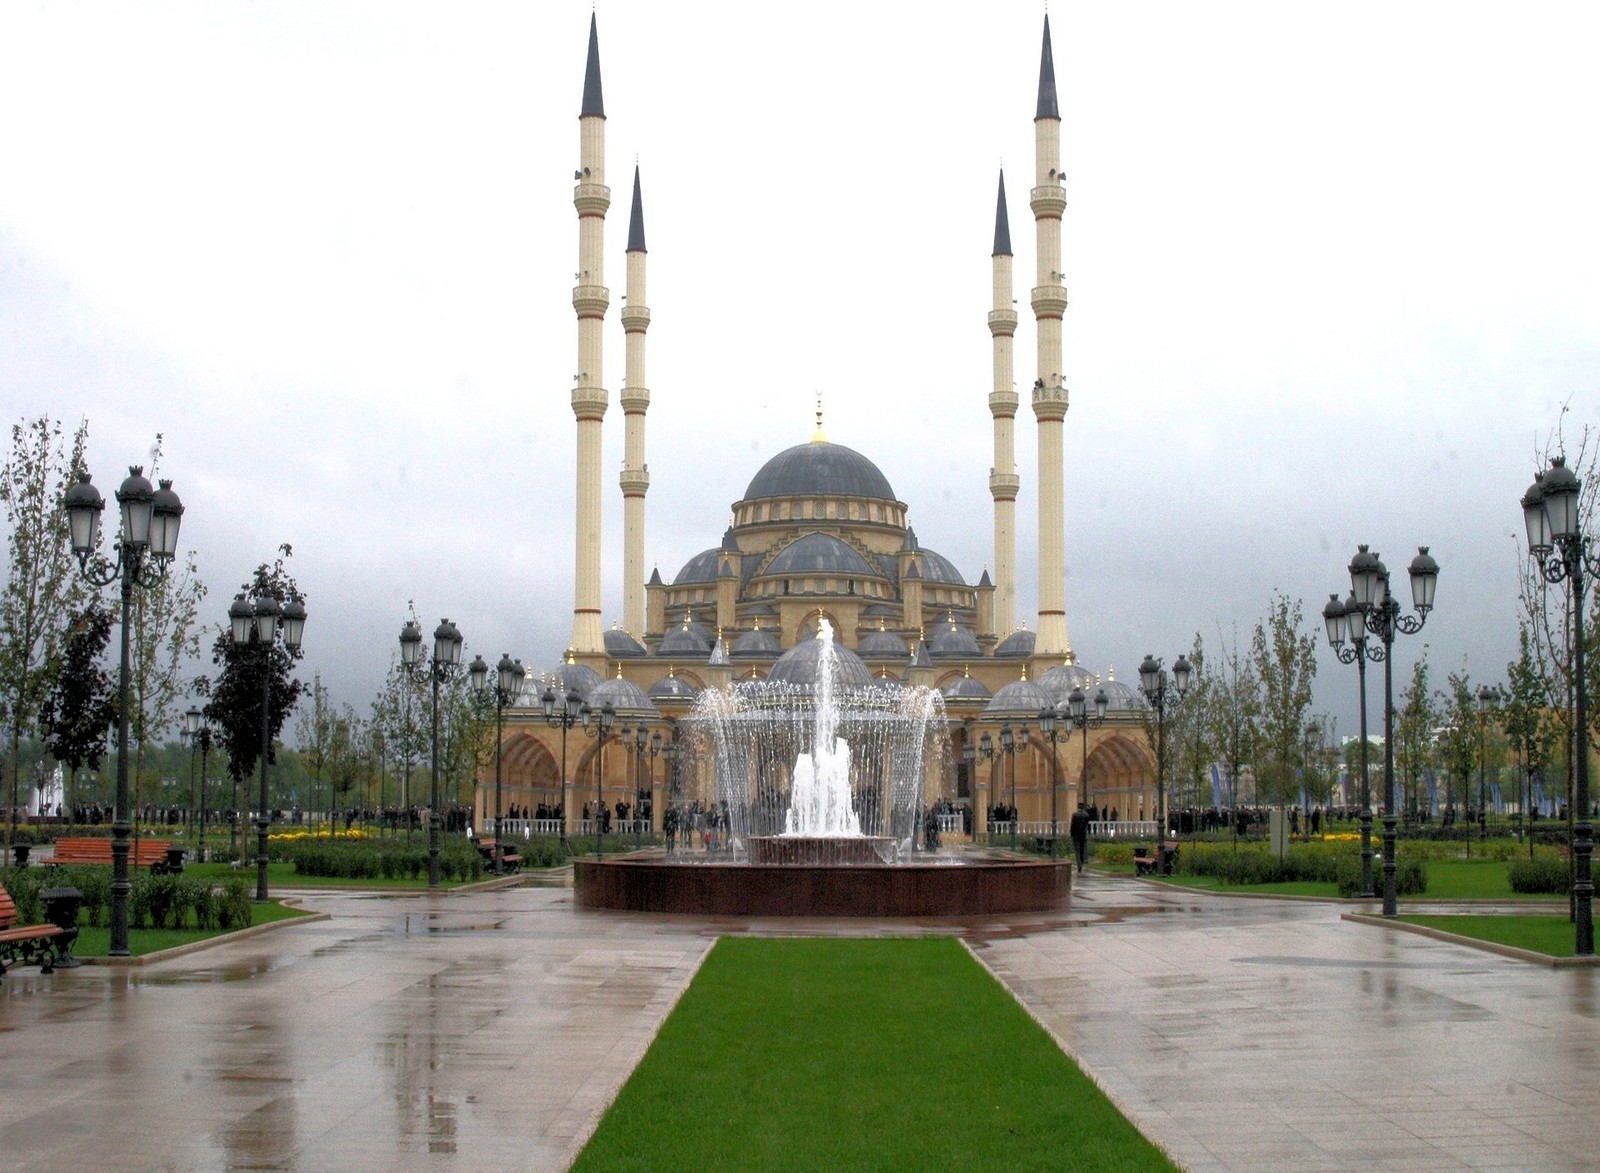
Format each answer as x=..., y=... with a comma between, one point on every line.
x=1122, y=775
x=807, y=627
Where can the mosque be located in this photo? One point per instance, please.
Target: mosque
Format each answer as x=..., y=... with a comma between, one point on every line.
x=820, y=533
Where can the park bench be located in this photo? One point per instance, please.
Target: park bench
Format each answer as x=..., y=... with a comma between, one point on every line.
x=511, y=857
x=1147, y=861
x=160, y=855
x=46, y=945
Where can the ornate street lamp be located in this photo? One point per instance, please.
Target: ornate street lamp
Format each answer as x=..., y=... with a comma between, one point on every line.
x=1559, y=546
x=562, y=713
x=509, y=678
x=1078, y=715
x=439, y=668
x=146, y=543
x=1048, y=727
x=1009, y=744
x=1488, y=701
x=261, y=623
x=197, y=724
x=1346, y=625
x=597, y=724
x=654, y=749
x=1162, y=694
x=1379, y=612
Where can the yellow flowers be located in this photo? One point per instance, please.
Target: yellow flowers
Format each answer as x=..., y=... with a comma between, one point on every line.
x=295, y=836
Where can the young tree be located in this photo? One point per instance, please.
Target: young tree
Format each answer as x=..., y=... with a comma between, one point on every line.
x=247, y=672
x=81, y=706
x=43, y=588
x=1414, y=733
x=1234, y=714
x=1283, y=658
x=315, y=732
x=1458, y=741
x=1525, y=717
x=1190, y=736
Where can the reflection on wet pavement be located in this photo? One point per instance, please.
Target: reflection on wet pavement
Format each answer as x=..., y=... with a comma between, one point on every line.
x=493, y=1028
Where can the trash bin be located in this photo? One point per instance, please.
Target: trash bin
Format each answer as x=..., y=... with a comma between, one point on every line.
x=20, y=850
x=1164, y=855
x=61, y=910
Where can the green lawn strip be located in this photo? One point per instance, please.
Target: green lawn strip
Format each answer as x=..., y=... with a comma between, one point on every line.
x=283, y=875
x=857, y=1054
x=1473, y=879
x=95, y=941
x=1288, y=888
x=1554, y=936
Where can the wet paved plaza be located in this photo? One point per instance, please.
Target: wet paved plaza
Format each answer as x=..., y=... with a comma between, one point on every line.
x=493, y=1028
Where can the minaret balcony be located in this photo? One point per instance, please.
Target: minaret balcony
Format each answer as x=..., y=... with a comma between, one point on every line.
x=589, y=402
x=1002, y=321
x=1050, y=403
x=590, y=300
x=1004, y=486
x=1003, y=402
x=1049, y=301
x=635, y=482
x=635, y=318
x=634, y=398
x=591, y=199
x=1050, y=200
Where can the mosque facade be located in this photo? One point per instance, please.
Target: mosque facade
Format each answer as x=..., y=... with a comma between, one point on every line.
x=820, y=534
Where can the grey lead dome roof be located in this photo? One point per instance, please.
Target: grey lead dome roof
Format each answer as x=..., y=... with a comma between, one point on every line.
x=819, y=553
x=819, y=469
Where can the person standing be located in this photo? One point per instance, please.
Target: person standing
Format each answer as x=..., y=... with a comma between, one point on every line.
x=1078, y=829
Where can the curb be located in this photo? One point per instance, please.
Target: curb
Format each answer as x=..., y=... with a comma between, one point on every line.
x=1511, y=951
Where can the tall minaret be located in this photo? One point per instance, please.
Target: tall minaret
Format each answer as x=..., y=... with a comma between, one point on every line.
x=635, y=401
x=589, y=298
x=1048, y=201
x=1003, y=479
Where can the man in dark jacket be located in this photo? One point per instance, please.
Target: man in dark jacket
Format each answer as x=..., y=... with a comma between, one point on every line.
x=1079, y=830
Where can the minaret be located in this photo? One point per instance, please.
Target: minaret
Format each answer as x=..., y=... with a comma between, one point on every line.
x=635, y=401
x=1049, y=201
x=589, y=299
x=1003, y=481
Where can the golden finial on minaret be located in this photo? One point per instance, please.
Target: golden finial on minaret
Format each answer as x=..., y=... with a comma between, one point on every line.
x=818, y=437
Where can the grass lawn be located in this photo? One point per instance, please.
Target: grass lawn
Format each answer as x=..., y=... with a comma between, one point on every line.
x=1473, y=879
x=1550, y=935
x=1289, y=888
x=857, y=1054
x=283, y=875
x=96, y=942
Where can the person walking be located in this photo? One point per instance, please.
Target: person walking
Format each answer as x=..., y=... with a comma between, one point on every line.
x=1078, y=829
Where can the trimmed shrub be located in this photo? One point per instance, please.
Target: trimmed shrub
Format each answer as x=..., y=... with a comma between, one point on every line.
x=1410, y=876
x=234, y=905
x=1544, y=874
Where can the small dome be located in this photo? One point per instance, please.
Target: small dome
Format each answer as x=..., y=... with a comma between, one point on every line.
x=688, y=640
x=702, y=567
x=672, y=689
x=952, y=641
x=1060, y=681
x=579, y=678
x=819, y=469
x=756, y=643
x=883, y=645
x=799, y=665
x=1020, y=697
x=966, y=688
x=819, y=553
x=1017, y=646
x=621, y=646
x=1122, y=698
x=938, y=568
x=626, y=698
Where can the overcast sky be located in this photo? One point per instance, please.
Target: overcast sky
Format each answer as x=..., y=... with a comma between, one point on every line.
x=1332, y=279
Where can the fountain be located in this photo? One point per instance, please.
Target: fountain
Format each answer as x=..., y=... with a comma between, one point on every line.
x=819, y=781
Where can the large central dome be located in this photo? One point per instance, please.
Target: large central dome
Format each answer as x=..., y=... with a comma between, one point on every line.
x=820, y=469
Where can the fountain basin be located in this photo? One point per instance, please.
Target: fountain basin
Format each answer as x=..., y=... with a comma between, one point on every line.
x=984, y=887
x=821, y=850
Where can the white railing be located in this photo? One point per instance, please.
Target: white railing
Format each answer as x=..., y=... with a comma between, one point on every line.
x=1123, y=829
x=527, y=828
x=951, y=824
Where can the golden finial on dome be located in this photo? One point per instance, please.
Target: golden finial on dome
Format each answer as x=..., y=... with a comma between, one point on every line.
x=619, y=669
x=817, y=437
x=1024, y=670
x=572, y=656
x=1111, y=674
x=966, y=670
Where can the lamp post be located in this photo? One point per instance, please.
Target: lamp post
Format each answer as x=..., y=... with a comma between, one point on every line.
x=438, y=669
x=1048, y=727
x=1345, y=625
x=146, y=544
x=1078, y=716
x=654, y=749
x=509, y=677
x=1162, y=693
x=562, y=713
x=260, y=624
x=1009, y=744
x=197, y=724
x=597, y=724
x=1379, y=611
x=1488, y=700
x=1550, y=509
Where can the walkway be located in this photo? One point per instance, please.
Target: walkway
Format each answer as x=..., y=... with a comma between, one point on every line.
x=492, y=1029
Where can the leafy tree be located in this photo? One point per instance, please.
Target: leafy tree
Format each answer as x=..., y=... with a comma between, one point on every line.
x=1417, y=722
x=399, y=713
x=81, y=706
x=1526, y=714
x=1190, y=736
x=1234, y=713
x=347, y=759
x=1283, y=659
x=1458, y=743
x=246, y=672
x=43, y=589
x=314, y=734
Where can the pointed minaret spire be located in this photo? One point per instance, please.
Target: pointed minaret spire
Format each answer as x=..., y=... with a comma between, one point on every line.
x=635, y=399
x=594, y=103
x=1002, y=223
x=1047, y=78
x=1003, y=480
x=590, y=299
x=1049, y=298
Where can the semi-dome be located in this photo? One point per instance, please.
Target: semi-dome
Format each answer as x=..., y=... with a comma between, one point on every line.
x=884, y=645
x=937, y=568
x=702, y=567
x=620, y=645
x=819, y=469
x=951, y=641
x=671, y=689
x=1123, y=698
x=1019, y=698
x=1061, y=680
x=755, y=643
x=578, y=678
x=688, y=639
x=820, y=553
x=1018, y=645
x=966, y=688
x=799, y=665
